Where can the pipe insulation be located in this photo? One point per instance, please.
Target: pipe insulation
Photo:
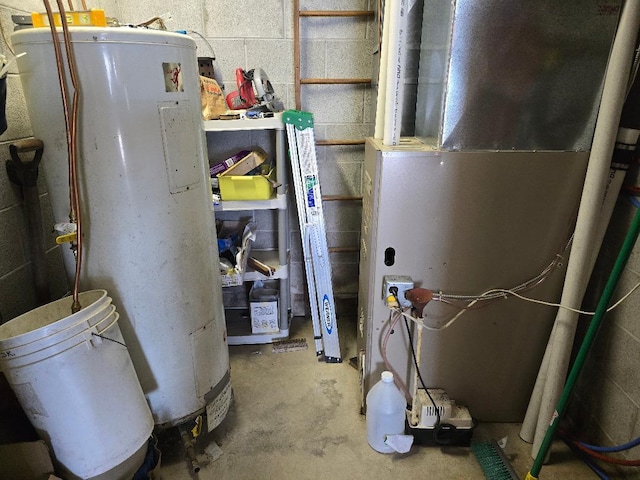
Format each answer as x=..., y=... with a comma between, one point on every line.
x=394, y=92
x=550, y=382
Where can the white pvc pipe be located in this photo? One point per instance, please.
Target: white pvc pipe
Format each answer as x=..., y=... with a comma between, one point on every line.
x=528, y=429
x=382, y=73
x=613, y=97
x=626, y=137
x=395, y=73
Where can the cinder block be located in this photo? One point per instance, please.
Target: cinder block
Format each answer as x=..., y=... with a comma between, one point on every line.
x=622, y=361
x=186, y=15
x=616, y=413
x=335, y=103
x=17, y=293
x=313, y=59
x=340, y=178
x=13, y=239
x=275, y=57
x=352, y=56
x=239, y=19
x=18, y=123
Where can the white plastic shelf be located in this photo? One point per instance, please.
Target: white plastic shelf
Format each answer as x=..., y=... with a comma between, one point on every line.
x=274, y=123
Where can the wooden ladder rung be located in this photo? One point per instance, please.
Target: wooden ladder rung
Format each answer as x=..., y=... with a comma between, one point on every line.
x=334, y=81
x=339, y=142
x=343, y=249
x=342, y=198
x=336, y=13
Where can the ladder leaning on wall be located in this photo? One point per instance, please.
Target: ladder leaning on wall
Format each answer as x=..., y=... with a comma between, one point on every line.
x=357, y=15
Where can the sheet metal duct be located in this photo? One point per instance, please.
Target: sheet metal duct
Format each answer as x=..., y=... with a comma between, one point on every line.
x=501, y=75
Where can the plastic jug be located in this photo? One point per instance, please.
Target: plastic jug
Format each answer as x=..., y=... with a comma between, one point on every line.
x=385, y=413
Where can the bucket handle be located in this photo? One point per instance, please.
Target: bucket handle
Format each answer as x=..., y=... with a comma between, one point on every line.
x=93, y=338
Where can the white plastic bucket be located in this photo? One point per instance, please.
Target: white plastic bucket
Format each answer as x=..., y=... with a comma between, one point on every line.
x=78, y=388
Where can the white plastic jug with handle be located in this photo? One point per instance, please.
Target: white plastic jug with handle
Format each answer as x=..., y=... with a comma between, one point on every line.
x=385, y=413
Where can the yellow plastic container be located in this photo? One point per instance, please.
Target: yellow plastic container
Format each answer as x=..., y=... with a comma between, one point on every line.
x=86, y=18
x=246, y=187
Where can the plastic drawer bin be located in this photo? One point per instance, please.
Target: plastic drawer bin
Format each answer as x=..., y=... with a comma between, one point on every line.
x=263, y=302
x=246, y=187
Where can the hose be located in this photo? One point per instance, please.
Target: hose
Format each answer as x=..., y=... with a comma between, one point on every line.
x=605, y=458
x=587, y=460
x=615, y=448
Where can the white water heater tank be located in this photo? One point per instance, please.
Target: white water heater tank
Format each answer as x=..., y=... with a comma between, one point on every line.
x=148, y=223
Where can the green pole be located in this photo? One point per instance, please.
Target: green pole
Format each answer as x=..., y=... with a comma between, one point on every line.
x=601, y=310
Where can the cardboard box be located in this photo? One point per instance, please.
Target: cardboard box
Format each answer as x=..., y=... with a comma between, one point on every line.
x=263, y=305
x=253, y=159
x=224, y=165
x=25, y=460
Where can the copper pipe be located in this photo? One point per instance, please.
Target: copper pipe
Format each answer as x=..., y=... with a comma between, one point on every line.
x=62, y=79
x=71, y=125
x=84, y=5
x=70, y=7
x=73, y=158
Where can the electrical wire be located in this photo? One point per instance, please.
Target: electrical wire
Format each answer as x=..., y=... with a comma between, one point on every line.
x=391, y=323
x=527, y=285
x=504, y=293
x=213, y=53
x=440, y=430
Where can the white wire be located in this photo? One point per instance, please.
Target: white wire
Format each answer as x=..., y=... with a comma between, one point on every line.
x=213, y=53
x=527, y=285
x=504, y=294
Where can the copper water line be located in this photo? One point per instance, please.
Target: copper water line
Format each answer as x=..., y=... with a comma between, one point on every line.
x=74, y=154
x=71, y=127
x=70, y=6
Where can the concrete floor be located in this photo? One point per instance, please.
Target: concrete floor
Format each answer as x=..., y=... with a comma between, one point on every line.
x=296, y=418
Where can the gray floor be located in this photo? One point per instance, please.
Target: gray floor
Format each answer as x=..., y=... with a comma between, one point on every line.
x=296, y=418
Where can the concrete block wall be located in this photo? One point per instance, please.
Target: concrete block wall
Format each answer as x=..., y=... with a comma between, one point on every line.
x=17, y=292
x=606, y=404
x=246, y=34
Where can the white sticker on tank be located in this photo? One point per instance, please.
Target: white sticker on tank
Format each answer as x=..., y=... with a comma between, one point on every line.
x=172, y=77
x=180, y=142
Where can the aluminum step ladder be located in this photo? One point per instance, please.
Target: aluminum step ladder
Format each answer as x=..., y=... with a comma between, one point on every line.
x=304, y=169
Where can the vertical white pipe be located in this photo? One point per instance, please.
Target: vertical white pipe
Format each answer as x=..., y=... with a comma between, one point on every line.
x=613, y=97
x=529, y=425
x=382, y=73
x=395, y=72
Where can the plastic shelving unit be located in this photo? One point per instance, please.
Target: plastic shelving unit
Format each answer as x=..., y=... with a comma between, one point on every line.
x=238, y=323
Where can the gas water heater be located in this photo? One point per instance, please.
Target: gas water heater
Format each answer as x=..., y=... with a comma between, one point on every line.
x=148, y=220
